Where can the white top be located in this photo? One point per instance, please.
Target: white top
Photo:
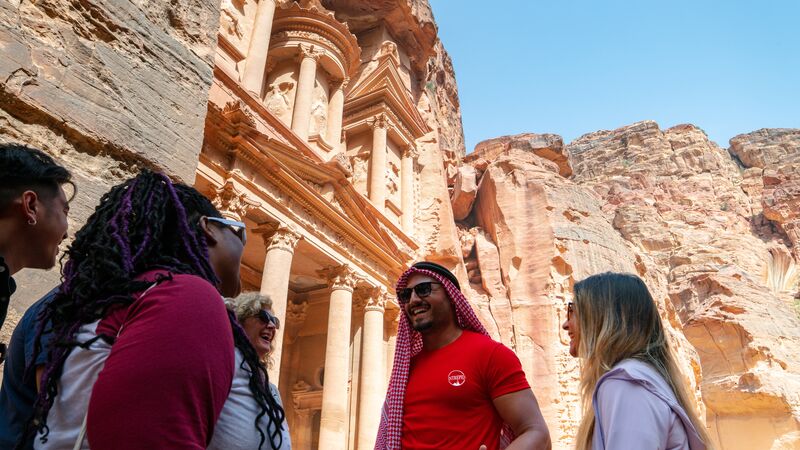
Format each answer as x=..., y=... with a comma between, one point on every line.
x=235, y=428
x=74, y=391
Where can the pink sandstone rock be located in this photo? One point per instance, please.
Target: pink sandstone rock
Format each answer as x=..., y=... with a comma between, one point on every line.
x=105, y=99
x=549, y=147
x=535, y=233
x=682, y=201
x=767, y=147
x=464, y=192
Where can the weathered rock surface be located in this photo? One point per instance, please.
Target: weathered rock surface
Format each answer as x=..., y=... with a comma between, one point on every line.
x=714, y=243
x=767, y=147
x=105, y=87
x=464, y=192
x=683, y=201
x=531, y=234
x=781, y=201
x=549, y=147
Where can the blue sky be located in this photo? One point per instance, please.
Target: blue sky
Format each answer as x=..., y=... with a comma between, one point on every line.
x=573, y=67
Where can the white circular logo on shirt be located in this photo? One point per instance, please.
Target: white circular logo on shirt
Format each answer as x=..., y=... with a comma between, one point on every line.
x=456, y=378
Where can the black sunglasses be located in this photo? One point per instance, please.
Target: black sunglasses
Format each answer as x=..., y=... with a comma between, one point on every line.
x=570, y=309
x=422, y=289
x=238, y=228
x=266, y=318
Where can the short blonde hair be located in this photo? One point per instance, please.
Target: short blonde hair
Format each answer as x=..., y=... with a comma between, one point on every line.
x=248, y=304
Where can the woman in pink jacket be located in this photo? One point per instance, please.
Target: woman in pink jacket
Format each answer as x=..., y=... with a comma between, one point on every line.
x=633, y=392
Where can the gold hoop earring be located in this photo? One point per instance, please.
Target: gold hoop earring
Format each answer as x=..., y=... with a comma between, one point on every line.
x=31, y=222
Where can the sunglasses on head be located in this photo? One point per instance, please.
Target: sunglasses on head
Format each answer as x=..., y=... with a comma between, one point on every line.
x=422, y=289
x=266, y=317
x=238, y=228
x=570, y=309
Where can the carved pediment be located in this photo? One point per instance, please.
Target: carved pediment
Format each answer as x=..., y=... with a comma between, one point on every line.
x=385, y=86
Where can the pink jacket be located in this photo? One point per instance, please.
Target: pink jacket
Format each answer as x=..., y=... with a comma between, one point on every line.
x=635, y=409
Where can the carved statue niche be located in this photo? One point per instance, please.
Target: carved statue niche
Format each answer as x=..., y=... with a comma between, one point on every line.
x=278, y=101
x=393, y=178
x=230, y=14
x=319, y=109
x=360, y=163
x=389, y=48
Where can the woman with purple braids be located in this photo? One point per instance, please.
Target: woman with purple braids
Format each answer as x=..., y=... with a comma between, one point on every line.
x=141, y=346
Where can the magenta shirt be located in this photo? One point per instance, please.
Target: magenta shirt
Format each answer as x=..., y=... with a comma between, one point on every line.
x=636, y=409
x=163, y=382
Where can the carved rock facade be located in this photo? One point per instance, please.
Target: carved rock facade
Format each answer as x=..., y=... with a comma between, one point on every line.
x=332, y=129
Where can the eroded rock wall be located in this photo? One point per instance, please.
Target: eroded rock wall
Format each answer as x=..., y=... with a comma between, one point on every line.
x=530, y=235
x=684, y=201
x=106, y=88
x=716, y=242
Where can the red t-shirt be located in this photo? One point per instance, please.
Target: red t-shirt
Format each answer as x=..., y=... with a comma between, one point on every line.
x=448, y=400
x=169, y=372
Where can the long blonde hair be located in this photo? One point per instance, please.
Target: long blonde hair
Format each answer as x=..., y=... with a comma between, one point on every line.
x=618, y=319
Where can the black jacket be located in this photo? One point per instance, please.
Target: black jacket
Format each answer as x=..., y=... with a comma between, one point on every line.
x=7, y=287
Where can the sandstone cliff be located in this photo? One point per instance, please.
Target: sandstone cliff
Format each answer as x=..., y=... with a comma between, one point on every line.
x=714, y=241
x=105, y=87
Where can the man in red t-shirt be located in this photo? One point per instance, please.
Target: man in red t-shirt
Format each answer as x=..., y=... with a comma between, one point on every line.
x=452, y=386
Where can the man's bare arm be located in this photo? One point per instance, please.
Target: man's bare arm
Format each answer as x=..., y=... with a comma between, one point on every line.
x=521, y=411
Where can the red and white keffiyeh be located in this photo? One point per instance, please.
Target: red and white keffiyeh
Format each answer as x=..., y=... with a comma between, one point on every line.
x=409, y=344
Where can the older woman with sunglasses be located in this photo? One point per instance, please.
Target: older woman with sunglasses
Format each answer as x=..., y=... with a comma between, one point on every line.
x=253, y=416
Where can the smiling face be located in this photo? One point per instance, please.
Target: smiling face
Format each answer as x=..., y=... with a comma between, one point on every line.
x=49, y=227
x=573, y=330
x=260, y=334
x=431, y=312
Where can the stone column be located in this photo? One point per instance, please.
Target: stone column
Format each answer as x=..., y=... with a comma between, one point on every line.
x=256, y=63
x=377, y=167
x=392, y=323
x=335, y=113
x=372, y=370
x=301, y=115
x=334, y=418
x=304, y=428
x=407, y=189
x=280, y=242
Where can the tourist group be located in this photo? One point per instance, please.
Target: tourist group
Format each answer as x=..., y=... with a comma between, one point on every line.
x=148, y=343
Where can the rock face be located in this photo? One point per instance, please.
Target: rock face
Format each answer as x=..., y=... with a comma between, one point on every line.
x=530, y=235
x=109, y=87
x=767, y=147
x=716, y=243
x=105, y=87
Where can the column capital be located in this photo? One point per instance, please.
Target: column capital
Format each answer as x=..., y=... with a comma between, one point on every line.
x=379, y=121
x=410, y=152
x=340, y=83
x=231, y=203
x=340, y=277
x=369, y=298
x=278, y=236
x=308, y=51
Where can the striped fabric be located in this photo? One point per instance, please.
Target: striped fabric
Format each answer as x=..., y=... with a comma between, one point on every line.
x=409, y=343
